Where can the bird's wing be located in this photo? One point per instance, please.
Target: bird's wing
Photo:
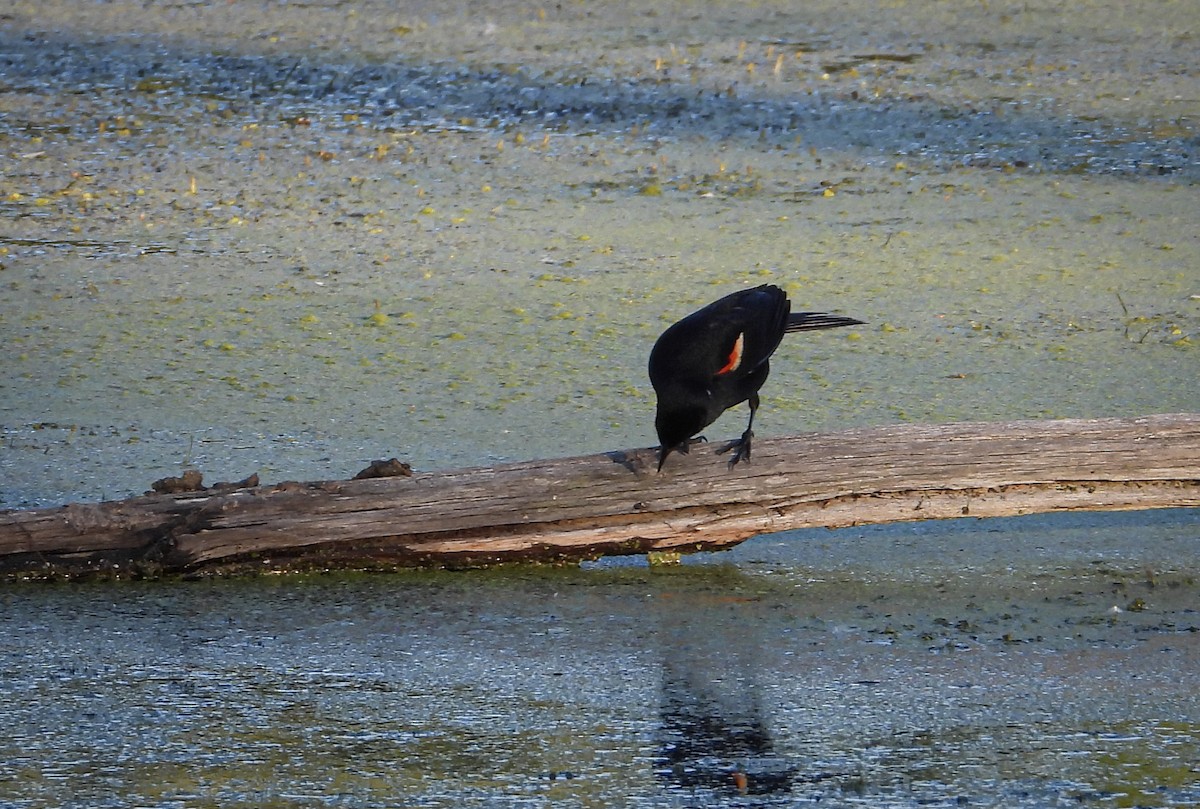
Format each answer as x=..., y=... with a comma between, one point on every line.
x=755, y=322
x=734, y=335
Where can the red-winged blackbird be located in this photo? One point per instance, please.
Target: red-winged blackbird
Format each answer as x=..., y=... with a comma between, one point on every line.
x=718, y=357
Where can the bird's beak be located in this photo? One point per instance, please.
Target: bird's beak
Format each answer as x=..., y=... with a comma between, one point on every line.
x=664, y=451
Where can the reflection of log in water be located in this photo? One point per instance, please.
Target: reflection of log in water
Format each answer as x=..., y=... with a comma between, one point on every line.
x=714, y=734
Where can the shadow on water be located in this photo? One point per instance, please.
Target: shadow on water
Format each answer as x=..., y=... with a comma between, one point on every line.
x=579, y=99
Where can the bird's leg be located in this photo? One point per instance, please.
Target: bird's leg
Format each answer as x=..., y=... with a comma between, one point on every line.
x=742, y=445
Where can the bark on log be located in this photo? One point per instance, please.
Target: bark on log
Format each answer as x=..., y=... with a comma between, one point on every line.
x=615, y=503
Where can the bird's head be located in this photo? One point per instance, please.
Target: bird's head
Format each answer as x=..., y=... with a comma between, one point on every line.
x=675, y=426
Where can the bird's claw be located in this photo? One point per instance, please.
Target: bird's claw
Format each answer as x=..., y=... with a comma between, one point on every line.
x=741, y=447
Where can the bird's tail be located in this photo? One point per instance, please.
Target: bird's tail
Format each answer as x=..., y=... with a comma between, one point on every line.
x=811, y=321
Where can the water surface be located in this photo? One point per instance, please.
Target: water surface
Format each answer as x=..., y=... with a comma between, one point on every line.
x=293, y=238
x=1028, y=662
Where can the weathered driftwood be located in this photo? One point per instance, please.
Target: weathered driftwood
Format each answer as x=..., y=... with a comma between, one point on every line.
x=615, y=503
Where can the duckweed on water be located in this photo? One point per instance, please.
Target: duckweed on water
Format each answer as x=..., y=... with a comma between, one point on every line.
x=987, y=211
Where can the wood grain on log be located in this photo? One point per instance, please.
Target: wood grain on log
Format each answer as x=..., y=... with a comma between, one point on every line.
x=587, y=506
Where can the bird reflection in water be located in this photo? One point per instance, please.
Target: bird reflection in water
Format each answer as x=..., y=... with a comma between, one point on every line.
x=713, y=735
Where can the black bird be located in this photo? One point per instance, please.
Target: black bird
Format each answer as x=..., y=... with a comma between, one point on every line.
x=718, y=357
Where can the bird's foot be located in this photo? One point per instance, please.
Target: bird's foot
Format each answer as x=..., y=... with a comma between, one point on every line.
x=741, y=447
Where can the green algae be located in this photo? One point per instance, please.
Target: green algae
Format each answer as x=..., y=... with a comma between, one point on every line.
x=330, y=236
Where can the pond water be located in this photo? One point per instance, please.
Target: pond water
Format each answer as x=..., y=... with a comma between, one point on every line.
x=290, y=238
x=1033, y=662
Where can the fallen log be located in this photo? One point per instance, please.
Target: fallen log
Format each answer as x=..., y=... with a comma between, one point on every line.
x=616, y=503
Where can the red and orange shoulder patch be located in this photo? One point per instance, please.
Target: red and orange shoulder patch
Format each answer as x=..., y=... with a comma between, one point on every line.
x=735, y=355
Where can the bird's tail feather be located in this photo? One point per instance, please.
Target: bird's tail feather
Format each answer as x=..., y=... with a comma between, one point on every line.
x=811, y=321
